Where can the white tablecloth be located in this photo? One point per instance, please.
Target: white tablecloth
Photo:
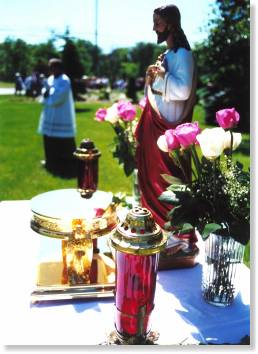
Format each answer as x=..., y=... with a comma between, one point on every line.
x=180, y=314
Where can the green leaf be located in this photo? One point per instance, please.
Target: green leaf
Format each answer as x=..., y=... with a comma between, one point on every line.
x=169, y=197
x=167, y=225
x=239, y=165
x=186, y=227
x=171, y=179
x=178, y=187
x=209, y=228
x=174, y=210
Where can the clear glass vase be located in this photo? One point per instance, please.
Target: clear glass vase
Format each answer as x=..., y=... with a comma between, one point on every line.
x=223, y=255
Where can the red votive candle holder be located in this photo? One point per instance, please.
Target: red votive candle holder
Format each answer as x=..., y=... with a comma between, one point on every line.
x=137, y=242
x=87, y=161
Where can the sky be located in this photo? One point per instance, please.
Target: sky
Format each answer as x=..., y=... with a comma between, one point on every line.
x=120, y=23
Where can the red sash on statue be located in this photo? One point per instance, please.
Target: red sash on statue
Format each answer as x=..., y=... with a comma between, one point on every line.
x=152, y=162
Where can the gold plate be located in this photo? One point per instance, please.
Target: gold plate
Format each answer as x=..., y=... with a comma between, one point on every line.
x=49, y=285
x=55, y=292
x=54, y=212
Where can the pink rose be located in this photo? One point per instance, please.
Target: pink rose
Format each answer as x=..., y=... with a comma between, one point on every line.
x=126, y=111
x=101, y=114
x=142, y=102
x=172, y=141
x=186, y=133
x=227, y=118
x=99, y=212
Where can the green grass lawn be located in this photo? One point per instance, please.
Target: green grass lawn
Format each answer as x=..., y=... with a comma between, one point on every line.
x=21, y=149
x=6, y=84
x=21, y=175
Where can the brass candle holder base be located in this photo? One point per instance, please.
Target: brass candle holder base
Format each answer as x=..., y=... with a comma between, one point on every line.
x=115, y=338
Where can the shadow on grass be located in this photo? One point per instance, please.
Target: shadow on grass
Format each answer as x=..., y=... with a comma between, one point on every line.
x=64, y=173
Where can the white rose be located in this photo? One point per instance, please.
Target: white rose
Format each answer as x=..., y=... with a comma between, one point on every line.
x=162, y=143
x=212, y=142
x=237, y=138
x=112, y=114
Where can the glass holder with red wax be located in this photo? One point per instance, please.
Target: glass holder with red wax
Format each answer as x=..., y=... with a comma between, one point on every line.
x=137, y=242
x=87, y=156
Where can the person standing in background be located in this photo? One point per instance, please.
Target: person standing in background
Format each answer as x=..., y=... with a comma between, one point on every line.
x=57, y=122
x=19, y=84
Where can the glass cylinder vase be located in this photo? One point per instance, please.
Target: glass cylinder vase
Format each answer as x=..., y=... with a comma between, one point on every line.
x=223, y=256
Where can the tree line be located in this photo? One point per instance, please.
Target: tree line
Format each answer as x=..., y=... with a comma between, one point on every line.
x=223, y=59
x=80, y=57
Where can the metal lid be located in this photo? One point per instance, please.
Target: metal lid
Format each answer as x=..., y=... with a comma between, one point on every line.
x=87, y=150
x=138, y=234
x=57, y=213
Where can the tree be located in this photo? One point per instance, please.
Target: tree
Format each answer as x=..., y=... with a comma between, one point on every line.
x=86, y=53
x=15, y=56
x=145, y=54
x=41, y=53
x=116, y=59
x=72, y=63
x=224, y=61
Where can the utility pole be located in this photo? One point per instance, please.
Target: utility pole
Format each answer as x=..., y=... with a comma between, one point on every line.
x=96, y=38
x=96, y=22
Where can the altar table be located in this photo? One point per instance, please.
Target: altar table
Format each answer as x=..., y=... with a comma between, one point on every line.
x=180, y=315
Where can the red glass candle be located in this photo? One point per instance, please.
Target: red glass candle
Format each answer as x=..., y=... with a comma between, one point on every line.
x=87, y=161
x=135, y=290
x=138, y=241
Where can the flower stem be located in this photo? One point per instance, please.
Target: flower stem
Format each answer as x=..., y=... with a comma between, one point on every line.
x=229, y=155
x=197, y=163
x=214, y=181
x=231, y=143
x=177, y=152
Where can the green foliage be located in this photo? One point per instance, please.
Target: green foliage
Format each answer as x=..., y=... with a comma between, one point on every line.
x=72, y=63
x=145, y=54
x=70, y=57
x=218, y=200
x=40, y=54
x=129, y=70
x=123, y=152
x=210, y=228
x=223, y=61
x=80, y=58
x=14, y=57
x=87, y=53
x=112, y=64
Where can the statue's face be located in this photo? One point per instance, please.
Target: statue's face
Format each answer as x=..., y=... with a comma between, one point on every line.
x=161, y=28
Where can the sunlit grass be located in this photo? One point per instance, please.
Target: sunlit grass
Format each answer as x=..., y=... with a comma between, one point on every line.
x=6, y=84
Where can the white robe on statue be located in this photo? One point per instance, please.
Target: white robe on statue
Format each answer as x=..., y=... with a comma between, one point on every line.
x=177, y=87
